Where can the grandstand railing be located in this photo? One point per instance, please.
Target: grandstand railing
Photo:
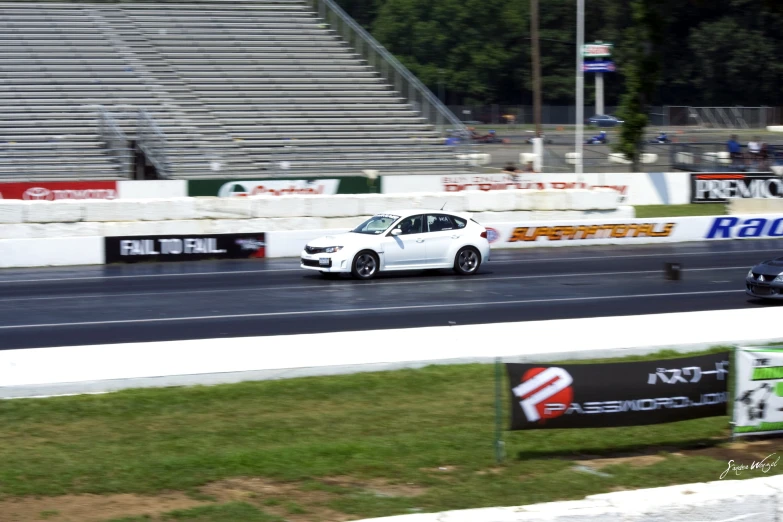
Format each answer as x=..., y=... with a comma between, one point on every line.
x=405, y=83
x=153, y=142
x=117, y=128
x=115, y=140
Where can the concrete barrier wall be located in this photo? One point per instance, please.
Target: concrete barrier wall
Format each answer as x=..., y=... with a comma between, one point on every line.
x=163, y=209
x=754, y=206
x=758, y=499
x=95, y=368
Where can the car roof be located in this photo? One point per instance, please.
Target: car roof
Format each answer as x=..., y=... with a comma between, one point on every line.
x=412, y=211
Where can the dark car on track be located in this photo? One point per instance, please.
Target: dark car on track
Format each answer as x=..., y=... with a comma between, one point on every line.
x=604, y=120
x=765, y=280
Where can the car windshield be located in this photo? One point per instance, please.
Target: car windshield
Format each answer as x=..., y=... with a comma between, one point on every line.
x=376, y=224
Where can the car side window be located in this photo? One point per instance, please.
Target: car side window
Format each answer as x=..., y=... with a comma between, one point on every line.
x=461, y=223
x=441, y=222
x=411, y=225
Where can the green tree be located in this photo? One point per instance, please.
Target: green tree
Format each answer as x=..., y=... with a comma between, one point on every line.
x=640, y=60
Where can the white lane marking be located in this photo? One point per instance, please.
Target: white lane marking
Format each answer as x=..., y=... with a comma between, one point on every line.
x=490, y=263
x=352, y=310
x=140, y=276
x=338, y=286
x=631, y=256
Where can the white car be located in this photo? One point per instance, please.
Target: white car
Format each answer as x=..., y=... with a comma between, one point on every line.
x=401, y=240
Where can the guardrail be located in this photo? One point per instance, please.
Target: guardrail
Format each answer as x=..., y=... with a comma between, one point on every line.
x=404, y=82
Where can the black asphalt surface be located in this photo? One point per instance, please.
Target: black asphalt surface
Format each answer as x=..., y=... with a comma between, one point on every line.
x=221, y=299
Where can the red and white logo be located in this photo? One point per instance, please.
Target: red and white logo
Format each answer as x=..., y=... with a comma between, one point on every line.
x=37, y=194
x=541, y=386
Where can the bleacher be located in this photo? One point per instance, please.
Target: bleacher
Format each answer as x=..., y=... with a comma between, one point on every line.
x=260, y=88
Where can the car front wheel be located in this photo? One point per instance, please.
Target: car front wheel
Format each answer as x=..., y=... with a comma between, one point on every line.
x=467, y=261
x=365, y=265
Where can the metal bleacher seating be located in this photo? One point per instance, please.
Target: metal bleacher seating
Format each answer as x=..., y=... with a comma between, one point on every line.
x=261, y=88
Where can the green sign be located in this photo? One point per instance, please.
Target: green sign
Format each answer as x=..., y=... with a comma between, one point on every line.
x=278, y=187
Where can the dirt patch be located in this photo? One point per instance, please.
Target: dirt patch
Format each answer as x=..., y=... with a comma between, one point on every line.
x=378, y=486
x=741, y=452
x=284, y=499
x=639, y=461
x=91, y=508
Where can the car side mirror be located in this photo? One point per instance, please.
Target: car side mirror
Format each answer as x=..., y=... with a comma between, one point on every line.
x=396, y=232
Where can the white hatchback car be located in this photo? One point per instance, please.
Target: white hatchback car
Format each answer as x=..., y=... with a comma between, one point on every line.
x=401, y=240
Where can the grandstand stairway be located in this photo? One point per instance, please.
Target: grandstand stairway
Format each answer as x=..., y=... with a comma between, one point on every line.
x=263, y=88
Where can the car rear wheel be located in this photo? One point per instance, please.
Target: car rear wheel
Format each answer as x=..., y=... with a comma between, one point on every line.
x=365, y=265
x=467, y=261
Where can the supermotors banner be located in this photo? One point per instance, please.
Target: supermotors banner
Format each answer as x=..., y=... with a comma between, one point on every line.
x=617, y=394
x=758, y=403
x=184, y=248
x=717, y=188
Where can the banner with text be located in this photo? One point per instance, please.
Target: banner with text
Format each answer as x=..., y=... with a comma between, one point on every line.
x=57, y=190
x=632, y=231
x=758, y=404
x=719, y=187
x=637, y=188
x=184, y=248
x=617, y=394
x=279, y=187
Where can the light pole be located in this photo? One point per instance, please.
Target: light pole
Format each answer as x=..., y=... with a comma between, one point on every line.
x=580, y=106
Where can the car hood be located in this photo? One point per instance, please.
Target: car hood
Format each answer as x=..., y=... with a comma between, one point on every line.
x=340, y=239
x=770, y=267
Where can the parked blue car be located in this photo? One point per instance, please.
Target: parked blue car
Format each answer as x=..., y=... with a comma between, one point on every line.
x=604, y=120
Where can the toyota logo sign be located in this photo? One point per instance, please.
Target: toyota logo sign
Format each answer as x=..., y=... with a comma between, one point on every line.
x=37, y=194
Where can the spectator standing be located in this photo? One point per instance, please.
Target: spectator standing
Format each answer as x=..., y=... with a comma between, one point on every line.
x=735, y=150
x=754, y=150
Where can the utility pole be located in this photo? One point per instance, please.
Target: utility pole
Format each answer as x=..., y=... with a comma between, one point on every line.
x=580, y=106
x=536, y=66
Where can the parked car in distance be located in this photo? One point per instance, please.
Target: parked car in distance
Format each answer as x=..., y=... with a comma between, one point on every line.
x=413, y=239
x=604, y=120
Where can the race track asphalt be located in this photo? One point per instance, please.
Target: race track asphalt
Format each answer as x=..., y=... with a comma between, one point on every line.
x=220, y=299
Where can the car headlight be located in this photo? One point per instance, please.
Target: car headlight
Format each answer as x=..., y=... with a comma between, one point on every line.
x=778, y=279
x=332, y=250
x=750, y=273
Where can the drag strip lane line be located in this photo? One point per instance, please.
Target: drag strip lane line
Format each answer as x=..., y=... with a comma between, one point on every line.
x=298, y=269
x=632, y=256
x=352, y=286
x=353, y=310
x=140, y=276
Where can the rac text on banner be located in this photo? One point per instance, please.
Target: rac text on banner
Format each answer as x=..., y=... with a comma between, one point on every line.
x=611, y=230
x=56, y=190
x=733, y=227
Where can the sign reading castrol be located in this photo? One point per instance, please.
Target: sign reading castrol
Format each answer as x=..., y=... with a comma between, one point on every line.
x=275, y=187
x=59, y=190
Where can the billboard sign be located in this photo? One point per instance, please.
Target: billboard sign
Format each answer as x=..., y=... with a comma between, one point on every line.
x=597, y=50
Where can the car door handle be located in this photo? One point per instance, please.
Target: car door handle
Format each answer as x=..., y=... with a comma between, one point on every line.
x=455, y=237
x=420, y=240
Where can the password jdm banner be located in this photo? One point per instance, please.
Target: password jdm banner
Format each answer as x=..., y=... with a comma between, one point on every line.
x=184, y=248
x=758, y=404
x=617, y=394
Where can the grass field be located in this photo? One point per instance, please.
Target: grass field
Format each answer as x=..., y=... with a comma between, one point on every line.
x=701, y=209
x=324, y=449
